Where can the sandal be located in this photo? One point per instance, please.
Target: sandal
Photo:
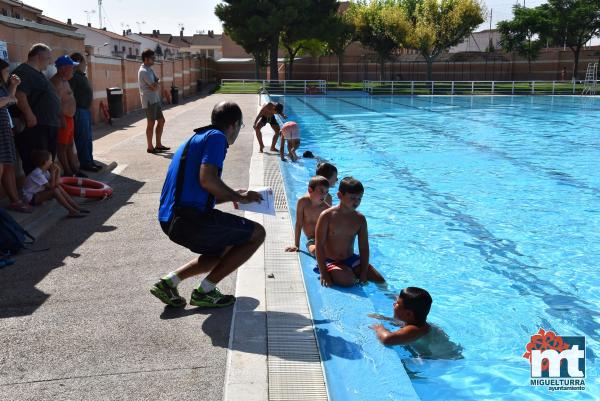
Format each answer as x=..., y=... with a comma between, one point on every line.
x=154, y=151
x=20, y=207
x=161, y=147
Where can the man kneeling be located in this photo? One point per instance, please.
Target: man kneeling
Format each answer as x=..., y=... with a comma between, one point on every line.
x=187, y=215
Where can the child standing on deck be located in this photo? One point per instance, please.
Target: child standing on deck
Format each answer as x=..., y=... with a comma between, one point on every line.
x=308, y=209
x=267, y=115
x=337, y=228
x=42, y=184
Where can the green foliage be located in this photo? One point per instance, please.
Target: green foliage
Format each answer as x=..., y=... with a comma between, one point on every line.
x=339, y=34
x=305, y=21
x=246, y=23
x=440, y=24
x=381, y=25
x=522, y=33
x=570, y=22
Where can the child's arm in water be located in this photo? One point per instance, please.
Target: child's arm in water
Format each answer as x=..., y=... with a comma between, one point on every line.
x=281, y=143
x=404, y=335
x=298, y=226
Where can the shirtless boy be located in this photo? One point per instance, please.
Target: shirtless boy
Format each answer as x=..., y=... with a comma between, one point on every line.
x=330, y=172
x=267, y=115
x=337, y=228
x=308, y=209
x=66, y=134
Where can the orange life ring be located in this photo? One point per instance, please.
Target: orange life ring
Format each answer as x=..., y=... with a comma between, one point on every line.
x=104, y=111
x=85, y=188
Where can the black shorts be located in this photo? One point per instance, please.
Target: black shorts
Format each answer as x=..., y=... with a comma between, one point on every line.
x=268, y=120
x=207, y=233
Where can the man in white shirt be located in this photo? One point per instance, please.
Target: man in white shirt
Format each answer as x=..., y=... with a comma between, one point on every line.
x=150, y=95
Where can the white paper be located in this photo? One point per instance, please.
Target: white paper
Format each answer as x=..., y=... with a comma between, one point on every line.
x=266, y=206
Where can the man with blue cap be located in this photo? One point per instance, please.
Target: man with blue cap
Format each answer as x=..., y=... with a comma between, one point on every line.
x=65, y=67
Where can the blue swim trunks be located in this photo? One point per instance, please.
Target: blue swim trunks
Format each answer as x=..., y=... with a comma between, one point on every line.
x=352, y=262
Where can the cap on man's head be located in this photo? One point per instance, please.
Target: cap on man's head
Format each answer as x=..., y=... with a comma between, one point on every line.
x=64, y=60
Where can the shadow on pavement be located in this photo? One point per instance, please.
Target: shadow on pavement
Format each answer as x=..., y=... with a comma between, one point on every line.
x=216, y=326
x=18, y=293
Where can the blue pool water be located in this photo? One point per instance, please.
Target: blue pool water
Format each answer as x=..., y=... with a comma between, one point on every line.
x=492, y=204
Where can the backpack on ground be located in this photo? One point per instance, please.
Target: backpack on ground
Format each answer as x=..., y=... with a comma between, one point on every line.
x=13, y=237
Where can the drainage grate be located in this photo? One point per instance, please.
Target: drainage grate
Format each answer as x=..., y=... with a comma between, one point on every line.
x=272, y=178
x=294, y=364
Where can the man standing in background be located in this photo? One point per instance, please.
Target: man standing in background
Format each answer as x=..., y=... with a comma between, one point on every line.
x=150, y=95
x=82, y=90
x=39, y=106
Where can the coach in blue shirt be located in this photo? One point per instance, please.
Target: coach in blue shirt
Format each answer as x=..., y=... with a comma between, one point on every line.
x=187, y=215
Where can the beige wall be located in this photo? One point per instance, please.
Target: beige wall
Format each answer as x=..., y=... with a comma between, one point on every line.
x=20, y=40
x=105, y=72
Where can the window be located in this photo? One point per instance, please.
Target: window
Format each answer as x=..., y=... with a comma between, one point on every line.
x=4, y=12
x=123, y=49
x=137, y=52
x=211, y=53
x=116, y=49
x=17, y=16
x=130, y=53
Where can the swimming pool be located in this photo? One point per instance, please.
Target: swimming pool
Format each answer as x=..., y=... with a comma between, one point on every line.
x=492, y=204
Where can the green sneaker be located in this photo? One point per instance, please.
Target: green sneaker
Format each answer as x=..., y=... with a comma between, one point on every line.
x=167, y=294
x=213, y=299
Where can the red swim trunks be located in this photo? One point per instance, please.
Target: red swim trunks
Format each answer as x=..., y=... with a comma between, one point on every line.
x=66, y=135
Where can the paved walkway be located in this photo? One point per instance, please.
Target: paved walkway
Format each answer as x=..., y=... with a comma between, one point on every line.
x=77, y=321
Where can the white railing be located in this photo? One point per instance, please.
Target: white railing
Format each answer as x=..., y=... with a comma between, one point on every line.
x=310, y=87
x=474, y=87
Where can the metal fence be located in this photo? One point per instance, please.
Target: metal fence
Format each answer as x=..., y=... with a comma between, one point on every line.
x=474, y=87
x=278, y=87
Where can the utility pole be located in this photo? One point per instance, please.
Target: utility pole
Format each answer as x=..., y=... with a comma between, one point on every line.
x=100, y=13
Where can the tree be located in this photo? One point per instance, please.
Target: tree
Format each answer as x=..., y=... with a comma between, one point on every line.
x=304, y=20
x=440, y=24
x=380, y=25
x=571, y=23
x=246, y=23
x=339, y=36
x=521, y=34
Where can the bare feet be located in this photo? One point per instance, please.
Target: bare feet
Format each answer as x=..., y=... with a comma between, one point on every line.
x=261, y=149
x=274, y=149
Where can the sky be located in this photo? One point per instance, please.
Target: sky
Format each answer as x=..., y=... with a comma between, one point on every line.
x=195, y=15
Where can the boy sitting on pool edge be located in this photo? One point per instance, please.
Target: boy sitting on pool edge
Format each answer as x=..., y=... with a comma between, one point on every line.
x=412, y=307
x=336, y=231
x=308, y=209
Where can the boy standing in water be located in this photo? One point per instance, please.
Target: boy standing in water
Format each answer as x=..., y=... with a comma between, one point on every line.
x=412, y=307
x=337, y=228
x=308, y=209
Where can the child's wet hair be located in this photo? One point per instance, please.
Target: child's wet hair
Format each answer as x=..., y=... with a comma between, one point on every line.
x=418, y=301
x=279, y=108
x=40, y=157
x=326, y=169
x=318, y=180
x=350, y=185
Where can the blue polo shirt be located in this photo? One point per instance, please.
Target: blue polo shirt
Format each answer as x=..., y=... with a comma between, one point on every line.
x=209, y=147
